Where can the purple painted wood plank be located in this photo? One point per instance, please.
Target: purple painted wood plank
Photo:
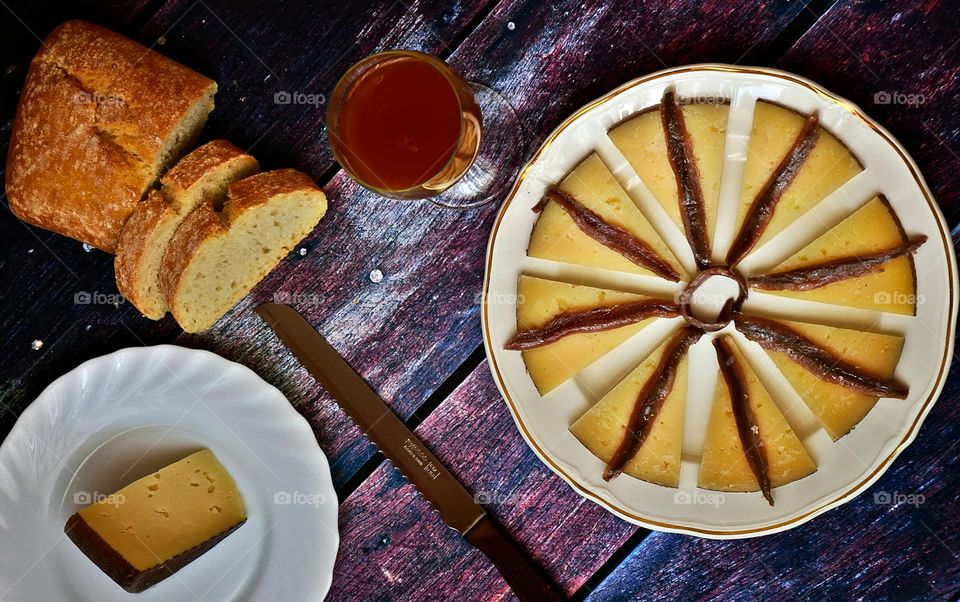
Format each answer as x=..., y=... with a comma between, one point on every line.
x=394, y=546
x=899, y=540
x=406, y=334
x=900, y=62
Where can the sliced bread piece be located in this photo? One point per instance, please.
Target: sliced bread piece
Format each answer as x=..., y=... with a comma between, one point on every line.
x=100, y=118
x=214, y=259
x=201, y=177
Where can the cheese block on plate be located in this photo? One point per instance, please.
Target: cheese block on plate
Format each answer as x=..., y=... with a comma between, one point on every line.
x=100, y=117
x=200, y=177
x=724, y=466
x=540, y=300
x=215, y=258
x=603, y=427
x=158, y=524
x=642, y=141
x=556, y=236
x=838, y=408
x=872, y=229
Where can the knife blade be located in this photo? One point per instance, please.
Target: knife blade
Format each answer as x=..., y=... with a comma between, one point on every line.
x=400, y=445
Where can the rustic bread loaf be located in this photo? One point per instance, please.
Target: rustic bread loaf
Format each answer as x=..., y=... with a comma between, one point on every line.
x=200, y=177
x=214, y=259
x=100, y=117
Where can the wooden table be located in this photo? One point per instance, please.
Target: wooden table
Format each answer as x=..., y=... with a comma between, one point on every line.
x=415, y=334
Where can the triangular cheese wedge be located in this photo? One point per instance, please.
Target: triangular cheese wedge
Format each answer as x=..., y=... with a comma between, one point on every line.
x=724, y=466
x=829, y=165
x=602, y=428
x=641, y=140
x=871, y=229
x=555, y=236
x=540, y=300
x=840, y=409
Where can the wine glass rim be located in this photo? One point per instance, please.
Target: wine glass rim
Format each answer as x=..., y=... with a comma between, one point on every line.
x=350, y=78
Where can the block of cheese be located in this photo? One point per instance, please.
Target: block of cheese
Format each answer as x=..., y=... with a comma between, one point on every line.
x=871, y=229
x=540, y=300
x=838, y=408
x=158, y=524
x=200, y=177
x=642, y=141
x=601, y=429
x=100, y=117
x=723, y=466
x=555, y=235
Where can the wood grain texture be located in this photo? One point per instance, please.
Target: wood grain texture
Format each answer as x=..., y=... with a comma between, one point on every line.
x=394, y=546
x=899, y=540
x=900, y=61
x=296, y=49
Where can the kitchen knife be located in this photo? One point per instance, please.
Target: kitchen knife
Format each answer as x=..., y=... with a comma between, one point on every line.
x=456, y=506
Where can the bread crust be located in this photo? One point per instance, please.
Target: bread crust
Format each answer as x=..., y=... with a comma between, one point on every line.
x=205, y=226
x=163, y=208
x=90, y=131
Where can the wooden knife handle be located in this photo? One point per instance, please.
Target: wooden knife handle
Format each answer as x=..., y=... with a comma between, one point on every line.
x=520, y=574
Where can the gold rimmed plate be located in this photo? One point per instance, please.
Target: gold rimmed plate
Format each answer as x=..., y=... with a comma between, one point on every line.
x=846, y=466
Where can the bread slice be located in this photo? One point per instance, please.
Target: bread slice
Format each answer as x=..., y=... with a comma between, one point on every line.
x=100, y=117
x=214, y=259
x=201, y=177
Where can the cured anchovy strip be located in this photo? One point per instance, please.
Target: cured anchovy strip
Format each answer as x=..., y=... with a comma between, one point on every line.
x=684, y=164
x=595, y=319
x=650, y=400
x=753, y=446
x=762, y=208
x=609, y=235
x=815, y=276
x=824, y=364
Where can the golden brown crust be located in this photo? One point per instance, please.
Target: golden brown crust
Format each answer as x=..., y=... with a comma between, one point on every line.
x=200, y=162
x=90, y=131
x=260, y=188
x=134, y=238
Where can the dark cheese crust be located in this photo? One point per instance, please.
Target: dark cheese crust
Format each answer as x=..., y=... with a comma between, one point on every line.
x=116, y=566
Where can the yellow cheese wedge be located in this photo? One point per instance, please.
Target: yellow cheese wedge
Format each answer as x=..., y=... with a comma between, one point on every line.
x=839, y=409
x=602, y=428
x=724, y=466
x=829, y=165
x=158, y=519
x=641, y=140
x=540, y=300
x=555, y=236
x=871, y=229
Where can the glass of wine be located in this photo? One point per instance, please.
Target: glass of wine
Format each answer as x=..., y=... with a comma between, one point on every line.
x=405, y=125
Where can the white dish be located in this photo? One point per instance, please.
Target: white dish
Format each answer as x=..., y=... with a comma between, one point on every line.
x=118, y=417
x=846, y=467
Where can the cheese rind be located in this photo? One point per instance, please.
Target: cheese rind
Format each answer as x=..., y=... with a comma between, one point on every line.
x=601, y=429
x=159, y=523
x=724, y=466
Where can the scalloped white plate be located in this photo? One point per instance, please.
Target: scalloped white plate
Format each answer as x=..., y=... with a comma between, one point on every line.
x=846, y=467
x=121, y=416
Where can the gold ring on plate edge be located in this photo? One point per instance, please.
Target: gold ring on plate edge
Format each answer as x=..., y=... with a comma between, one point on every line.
x=908, y=438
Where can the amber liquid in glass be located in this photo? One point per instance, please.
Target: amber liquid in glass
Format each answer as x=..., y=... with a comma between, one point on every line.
x=402, y=123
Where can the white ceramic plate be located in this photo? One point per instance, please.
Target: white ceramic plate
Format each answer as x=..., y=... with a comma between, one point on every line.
x=845, y=467
x=118, y=417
